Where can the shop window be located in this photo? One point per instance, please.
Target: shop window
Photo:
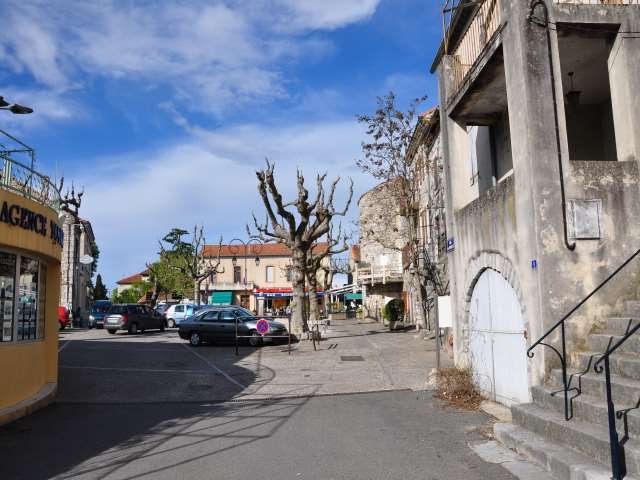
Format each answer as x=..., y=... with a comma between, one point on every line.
x=27, y=301
x=270, y=274
x=7, y=282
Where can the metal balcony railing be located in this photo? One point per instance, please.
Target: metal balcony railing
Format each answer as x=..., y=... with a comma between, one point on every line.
x=482, y=28
x=25, y=181
x=379, y=274
x=229, y=286
x=599, y=2
x=19, y=178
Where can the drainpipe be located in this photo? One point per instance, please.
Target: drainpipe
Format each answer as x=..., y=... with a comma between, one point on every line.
x=544, y=22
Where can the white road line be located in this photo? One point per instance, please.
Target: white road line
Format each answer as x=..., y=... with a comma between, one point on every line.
x=147, y=370
x=213, y=366
x=64, y=346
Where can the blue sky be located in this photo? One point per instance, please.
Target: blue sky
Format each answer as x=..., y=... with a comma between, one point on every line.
x=163, y=110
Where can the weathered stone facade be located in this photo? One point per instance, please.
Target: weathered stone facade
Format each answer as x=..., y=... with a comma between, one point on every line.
x=75, y=279
x=383, y=235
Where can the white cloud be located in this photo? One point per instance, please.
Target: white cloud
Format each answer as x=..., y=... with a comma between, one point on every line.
x=209, y=179
x=213, y=55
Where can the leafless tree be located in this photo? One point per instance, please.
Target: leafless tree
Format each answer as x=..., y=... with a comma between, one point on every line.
x=319, y=260
x=388, y=158
x=299, y=224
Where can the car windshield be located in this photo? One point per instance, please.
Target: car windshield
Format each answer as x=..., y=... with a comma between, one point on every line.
x=118, y=309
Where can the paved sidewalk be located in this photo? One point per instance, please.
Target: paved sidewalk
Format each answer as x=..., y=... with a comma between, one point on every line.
x=354, y=357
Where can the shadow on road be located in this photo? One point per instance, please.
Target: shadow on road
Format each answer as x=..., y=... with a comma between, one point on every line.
x=132, y=406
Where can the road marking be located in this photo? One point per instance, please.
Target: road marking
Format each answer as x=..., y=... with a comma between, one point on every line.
x=64, y=346
x=213, y=366
x=152, y=370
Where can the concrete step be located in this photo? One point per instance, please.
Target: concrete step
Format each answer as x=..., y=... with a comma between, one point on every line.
x=625, y=391
x=587, y=438
x=601, y=342
x=623, y=364
x=561, y=462
x=586, y=408
x=620, y=325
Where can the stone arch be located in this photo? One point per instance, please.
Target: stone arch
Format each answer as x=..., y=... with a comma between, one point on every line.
x=476, y=266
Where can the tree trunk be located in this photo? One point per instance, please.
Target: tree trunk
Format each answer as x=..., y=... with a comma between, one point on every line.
x=196, y=292
x=312, y=283
x=298, y=318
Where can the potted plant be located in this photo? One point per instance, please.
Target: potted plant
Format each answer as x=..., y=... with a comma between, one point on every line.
x=393, y=312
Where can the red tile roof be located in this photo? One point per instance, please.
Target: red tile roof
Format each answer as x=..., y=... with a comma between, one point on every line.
x=355, y=253
x=255, y=250
x=133, y=278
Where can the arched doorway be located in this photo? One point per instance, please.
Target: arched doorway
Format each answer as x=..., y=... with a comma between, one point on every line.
x=497, y=342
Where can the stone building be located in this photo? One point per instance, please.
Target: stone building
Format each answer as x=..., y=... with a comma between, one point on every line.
x=75, y=282
x=383, y=235
x=540, y=126
x=426, y=278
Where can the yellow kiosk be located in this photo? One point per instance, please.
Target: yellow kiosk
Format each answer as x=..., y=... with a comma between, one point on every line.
x=31, y=242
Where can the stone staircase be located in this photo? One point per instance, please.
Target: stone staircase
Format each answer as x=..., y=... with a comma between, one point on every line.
x=579, y=449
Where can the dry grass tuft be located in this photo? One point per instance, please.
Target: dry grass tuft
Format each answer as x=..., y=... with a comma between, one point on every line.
x=455, y=386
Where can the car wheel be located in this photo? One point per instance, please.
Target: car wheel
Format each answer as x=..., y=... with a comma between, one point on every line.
x=133, y=329
x=255, y=339
x=172, y=323
x=195, y=339
x=112, y=332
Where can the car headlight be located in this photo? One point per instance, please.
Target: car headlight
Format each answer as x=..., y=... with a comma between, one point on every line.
x=91, y=317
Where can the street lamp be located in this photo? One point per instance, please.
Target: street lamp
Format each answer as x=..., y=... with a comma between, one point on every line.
x=254, y=242
x=14, y=107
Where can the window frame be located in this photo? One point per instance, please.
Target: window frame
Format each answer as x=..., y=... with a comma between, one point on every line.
x=266, y=274
x=41, y=317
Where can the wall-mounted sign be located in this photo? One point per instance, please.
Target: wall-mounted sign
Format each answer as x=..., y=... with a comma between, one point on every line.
x=451, y=245
x=19, y=216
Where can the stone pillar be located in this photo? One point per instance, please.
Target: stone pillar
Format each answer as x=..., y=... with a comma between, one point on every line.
x=624, y=65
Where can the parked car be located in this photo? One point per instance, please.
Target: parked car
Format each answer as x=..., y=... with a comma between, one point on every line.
x=98, y=312
x=175, y=314
x=133, y=318
x=162, y=308
x=64, y=318
x=218, y=324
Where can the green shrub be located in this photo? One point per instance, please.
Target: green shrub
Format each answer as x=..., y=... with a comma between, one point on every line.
x=393, y=311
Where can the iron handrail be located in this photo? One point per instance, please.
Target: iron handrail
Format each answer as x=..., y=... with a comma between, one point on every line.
x=562, y=353
x=618, y=467
x=24, y=180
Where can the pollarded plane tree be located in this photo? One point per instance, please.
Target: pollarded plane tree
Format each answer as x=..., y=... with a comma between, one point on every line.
x=298, y=224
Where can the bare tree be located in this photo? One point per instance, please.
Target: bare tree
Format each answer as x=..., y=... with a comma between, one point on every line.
x=317, y=262
x=189, y=257
x=298, y=224
x=387, y=157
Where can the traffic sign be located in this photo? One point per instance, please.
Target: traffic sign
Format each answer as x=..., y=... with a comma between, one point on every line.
x=262, y=326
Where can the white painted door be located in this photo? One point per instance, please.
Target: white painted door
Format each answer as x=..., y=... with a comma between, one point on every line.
x=496, y=342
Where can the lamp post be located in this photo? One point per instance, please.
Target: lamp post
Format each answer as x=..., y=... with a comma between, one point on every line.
x=256, y=243
x=14, y=107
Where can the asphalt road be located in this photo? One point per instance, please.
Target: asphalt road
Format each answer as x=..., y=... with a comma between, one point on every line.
x=150, y=407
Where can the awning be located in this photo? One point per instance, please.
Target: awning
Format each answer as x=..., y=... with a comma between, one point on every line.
x=221, y=298
x=353, y=296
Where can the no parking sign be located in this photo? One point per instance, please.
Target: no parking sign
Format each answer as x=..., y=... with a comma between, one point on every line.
x=262, y=326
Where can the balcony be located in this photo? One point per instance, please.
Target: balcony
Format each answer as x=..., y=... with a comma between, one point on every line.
x=599, y=2
x=482, y=28
x=229, y=286
x=22, y=179
x=378, y=274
